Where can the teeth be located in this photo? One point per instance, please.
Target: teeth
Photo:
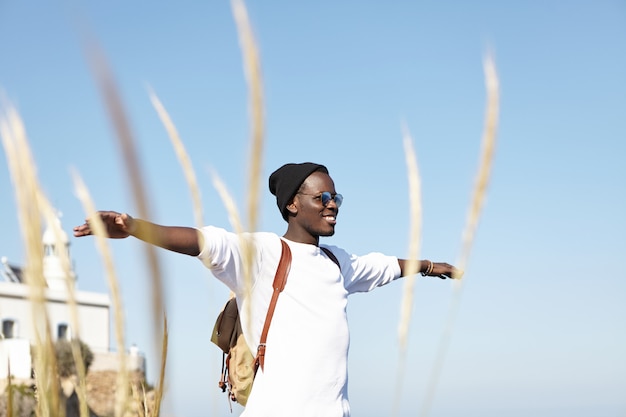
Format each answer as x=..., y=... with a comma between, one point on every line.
x=329, y=217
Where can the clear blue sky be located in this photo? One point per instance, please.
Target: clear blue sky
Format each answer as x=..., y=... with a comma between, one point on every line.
x=542, y=323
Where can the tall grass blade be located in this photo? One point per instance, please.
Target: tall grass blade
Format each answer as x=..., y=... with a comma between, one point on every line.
x=158, y=394
x=486, y=160
x=114, y=105
x=252, y=70
x=252, y=67
x=477, y=202
x=27, y=194
x=9, y=390
x=415, y=237
x=190, y=176
x=229, y=204
x=237, y=224
x=100, y=235
x=412, y=266
x=183, y=157
x=55, y=226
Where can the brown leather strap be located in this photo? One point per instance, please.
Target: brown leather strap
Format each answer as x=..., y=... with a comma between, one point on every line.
x=280, y=279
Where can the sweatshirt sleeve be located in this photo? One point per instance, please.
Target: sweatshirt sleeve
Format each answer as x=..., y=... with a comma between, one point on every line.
x=364, y=273
x=221, y=253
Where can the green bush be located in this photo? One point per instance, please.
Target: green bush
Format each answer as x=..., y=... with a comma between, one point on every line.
x=23, y=401
x=65, y=358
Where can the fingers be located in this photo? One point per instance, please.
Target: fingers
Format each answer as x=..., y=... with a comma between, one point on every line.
x=127, y=222
x=82, y=230
x=116, y=225
x=445, y=275
x=85, y=229
x=446, y=271
x=119, y=220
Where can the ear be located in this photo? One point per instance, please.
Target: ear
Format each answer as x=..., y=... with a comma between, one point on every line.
x=292, y=208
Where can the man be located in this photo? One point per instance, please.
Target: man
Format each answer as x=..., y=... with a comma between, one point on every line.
x=305, y=371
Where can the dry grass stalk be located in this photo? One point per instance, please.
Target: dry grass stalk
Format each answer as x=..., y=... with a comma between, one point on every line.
x=183, y=157
x=190, y=176
x=114, y=105
x=478, y=198
x=252, y=70
x=229, y=204
x=252, y=67
x=237, y=224
x=100, y=235
x=412, y=266
x=27, y=193
x=141, y=400
x=55, y=225
x=9, y=391
x=486, y=160
x=158, y=394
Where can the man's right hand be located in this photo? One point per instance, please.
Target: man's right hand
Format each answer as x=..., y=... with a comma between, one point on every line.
x=117, y=225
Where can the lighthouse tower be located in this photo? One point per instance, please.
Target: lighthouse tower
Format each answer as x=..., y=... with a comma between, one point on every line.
x=57, y=265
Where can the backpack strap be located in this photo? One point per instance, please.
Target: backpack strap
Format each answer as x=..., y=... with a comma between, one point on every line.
x=280, y=279
x=331, y=255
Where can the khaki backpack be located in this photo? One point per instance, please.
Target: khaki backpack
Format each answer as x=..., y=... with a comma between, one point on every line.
x=239, y=365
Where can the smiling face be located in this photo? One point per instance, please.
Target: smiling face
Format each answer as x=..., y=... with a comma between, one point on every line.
x=308, y=218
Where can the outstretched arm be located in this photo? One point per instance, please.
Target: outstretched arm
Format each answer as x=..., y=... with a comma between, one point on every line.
x=184, y=240
x=432, y=269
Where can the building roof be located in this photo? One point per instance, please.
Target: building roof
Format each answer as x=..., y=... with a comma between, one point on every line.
x=11, y=273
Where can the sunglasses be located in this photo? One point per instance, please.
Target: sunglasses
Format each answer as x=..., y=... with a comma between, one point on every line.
x=326, y=196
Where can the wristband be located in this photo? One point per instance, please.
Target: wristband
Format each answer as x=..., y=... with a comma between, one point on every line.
x=429, y=269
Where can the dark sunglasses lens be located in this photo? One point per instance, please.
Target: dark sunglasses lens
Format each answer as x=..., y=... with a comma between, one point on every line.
x=338, y=200
x=327, y=196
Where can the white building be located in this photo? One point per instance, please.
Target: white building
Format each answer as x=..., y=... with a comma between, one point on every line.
x=18, y=330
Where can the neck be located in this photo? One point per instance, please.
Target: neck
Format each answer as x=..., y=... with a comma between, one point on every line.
x=301, y=236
